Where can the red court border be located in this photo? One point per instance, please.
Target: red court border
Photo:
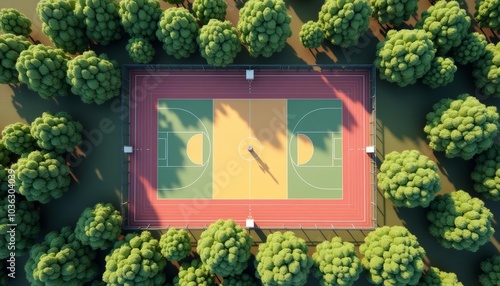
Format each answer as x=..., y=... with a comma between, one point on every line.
x=354, y=210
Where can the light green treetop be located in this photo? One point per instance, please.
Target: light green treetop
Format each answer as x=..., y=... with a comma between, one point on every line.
x=14, y=22
x=99, y=226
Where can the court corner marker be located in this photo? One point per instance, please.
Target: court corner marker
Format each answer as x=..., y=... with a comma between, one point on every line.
x=370, y=149
x=250, y=223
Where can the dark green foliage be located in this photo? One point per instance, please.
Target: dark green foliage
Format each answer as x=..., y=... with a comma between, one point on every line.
x=486, y=173
x=17, y=138
x=264, y=26
x=459, y=221
x=404, y=56
x=3, y=273
x=491, y=269
x=140, y=17
x=175, y=244
x=14, y=22
x=4, y=154
x=436, y=277
x=4, y=177
x=42, y=176
x=140, y=50
x=311, y=35
x=219, y=43
x=393, y=12
x=174, y=1
x=487, y=71
x=43, y=70
x=442, y=72
x=336, y=263
x=177, y=29
x=345, y=21
x=94, y=78
x=99, y=227
x=392, y=256
x=63, y=27
x=27, y=219
x=10, y=48
x=57, y=132
x=101, y=18
x=471, y=49
x=487, y=15
x=194, y=273
x=204, y=10
x=462, y=127
x=136, y=260
x=60, y=259
x=282, y=260
x=242, y=279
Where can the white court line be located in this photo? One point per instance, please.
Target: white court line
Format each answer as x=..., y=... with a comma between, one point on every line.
x=165, y=149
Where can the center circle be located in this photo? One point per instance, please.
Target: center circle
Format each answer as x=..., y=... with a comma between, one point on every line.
x=249, y=148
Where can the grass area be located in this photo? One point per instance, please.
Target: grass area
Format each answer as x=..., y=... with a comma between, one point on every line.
x=400, y=120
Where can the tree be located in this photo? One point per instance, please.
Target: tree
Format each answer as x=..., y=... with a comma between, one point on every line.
x=174, y=1
x=409, y=179
x=177, y=30
x=434, y=276
x=470, y=49
x=218, y=43
x=486, y=71
x=175, y=244
x=447, y=23
x=393, y=12
x=136, y=260
x=311, y=35
x=462, y=127
x=99, y=227
x=404, y=56
x=486, y=173
x=42, y=176
x=336, y=263
x=10, y=48
x=282, y=260
x=392, y=256
x=17, y=138
x=345, y=21
x=140, y=50
x=442, y=72
x=459, y=221
x=140, y=17
x=14, y=22
x=101, y=18
x=57, y=132
x=491, y=269
x=4, y=154
x=243, y=279
x=63, y=27
x=264, y=26
x=194, y=273
x=43, y=70
x=94, y=78
x=205, y=10
x=487, y=15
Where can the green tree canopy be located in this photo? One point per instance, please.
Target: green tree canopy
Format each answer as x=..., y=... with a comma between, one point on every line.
x=392, y=256
x=94, y=78
x=17, y=138
x=140, y=50
x=56, y=132
x=486, y=173
x=219, y=43
x=174, y=1
x=136, y=260
x=205, y=10
x=264, y=26
x=101, y=18
x=459, y=221
x=99, y=226
x=194, y=273
x=470, y=49
x=345, y=21
x=242, y=279
x=140, y=17
x=311, y=35
x=14, y=22
x=282, y=260
x=491, y=271
x=434, y=276
x=225, y=248
x=447, y=23
x=60, y=259
x=486, y=71
x=42, y=176
x=63, y=27
x=487, y=15
x=10, y=48
x=175, y=244
x=177, y=30
x=409, y=179
x=4, y=154
x=442, y=72
x=336, y=263
x=461, y=127
x=404, y=56
x=43, y=70
x=393, y=12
